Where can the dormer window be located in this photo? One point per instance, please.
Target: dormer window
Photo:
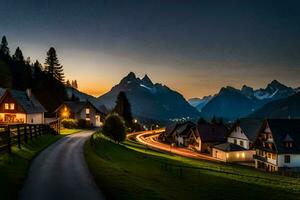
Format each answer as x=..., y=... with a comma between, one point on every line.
x=288, y=141
x=288, y=144
x=87, y=111
x=6, y=106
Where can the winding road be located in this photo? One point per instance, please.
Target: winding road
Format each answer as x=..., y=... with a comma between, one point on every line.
x=150, y=139
x=60, y=172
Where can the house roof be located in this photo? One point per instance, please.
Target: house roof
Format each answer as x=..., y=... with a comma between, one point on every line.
x=227, y=147
x=283, y=129
x=212, y=132
x=250, y=127
x=2, y=92
x=29, y=104
x=75, y=106
x=184, y=129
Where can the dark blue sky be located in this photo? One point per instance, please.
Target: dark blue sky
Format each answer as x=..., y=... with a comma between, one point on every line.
x=196, y=47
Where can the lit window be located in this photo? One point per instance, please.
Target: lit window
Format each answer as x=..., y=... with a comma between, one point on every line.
x=87, y=111
x=243, y=155
x=12, y=106
x=87, y=119
x=237, y=155
x=6, y=106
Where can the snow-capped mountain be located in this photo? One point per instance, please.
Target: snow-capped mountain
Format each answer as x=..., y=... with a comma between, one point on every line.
x=199, y=103
x=274, y=90
x=154, y=101
x=231, y=103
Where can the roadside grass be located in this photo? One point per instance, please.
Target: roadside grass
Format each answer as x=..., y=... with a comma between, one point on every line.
x=67, y=131
x=130, y=171
x=14, y=167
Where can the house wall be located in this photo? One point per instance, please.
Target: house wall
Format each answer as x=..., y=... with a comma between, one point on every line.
x=233, y=156
x=35, y=118
x=92, y=115
x=295, y=160
x=238, y=135
x=20, y=116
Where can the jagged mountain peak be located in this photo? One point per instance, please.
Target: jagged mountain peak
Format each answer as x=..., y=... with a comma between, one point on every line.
x=147, y=81
x=131, y=77
x=276, y=84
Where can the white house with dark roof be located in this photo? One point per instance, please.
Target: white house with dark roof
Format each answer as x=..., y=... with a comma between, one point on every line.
x=240, y=139
x=20, y=107
x=278, y=145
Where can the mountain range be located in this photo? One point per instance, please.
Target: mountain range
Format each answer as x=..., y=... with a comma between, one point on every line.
x=150, y=100
x=231, y=103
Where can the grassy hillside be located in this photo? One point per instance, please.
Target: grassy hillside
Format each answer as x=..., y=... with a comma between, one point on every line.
x=130, y=171
x=13, y=168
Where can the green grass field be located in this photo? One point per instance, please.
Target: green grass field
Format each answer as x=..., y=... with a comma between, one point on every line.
x=130, y=171
x=14, y=167
x=67, y=131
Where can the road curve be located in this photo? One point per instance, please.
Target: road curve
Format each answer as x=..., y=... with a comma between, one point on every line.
x=60, y=172
x=150, y=140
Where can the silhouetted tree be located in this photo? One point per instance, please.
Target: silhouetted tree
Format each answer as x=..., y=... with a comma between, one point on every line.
x=18, y=56
x=52, y=65
x=123, y=108
x=68, y=83
x=4, y=50
x=75, y=84
x=114, y=127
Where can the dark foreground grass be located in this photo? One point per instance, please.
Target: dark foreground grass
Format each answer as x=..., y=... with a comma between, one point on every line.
x=129, y=171
x=14, y=167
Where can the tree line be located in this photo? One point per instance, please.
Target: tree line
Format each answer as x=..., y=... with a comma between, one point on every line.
x=46, y=80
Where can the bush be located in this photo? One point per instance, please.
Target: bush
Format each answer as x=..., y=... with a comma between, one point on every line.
x=82, y=123
x=114, y=127
x=69, y=123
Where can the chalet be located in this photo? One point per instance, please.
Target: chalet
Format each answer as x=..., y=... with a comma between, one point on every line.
x=239, y=141
x=80, y=110
x=209, y=134
x=278, y=145
x=229, y=152
x=183, y=134
x=20, y=107
x=178, y=133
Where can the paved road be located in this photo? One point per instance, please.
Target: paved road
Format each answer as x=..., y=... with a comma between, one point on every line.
x=60, y=172
x=150, y=140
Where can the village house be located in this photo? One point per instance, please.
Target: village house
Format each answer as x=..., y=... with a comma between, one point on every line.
x=239, y=141
x=80, y=110
x=208, y=135
x=183, y=134
x=20, y=107
x=278, y=145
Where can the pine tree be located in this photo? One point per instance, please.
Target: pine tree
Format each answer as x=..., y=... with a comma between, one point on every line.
x=52, y=65
x=18, y=56
x=68, y=83
x=4, y=50
x=75, y=84
x=123, y=108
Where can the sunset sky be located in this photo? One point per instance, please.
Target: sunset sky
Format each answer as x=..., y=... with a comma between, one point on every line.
x=194, y=47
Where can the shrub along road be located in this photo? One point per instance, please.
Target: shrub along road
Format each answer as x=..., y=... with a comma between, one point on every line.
x=60, y=172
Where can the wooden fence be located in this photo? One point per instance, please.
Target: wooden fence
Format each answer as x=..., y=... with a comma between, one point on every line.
x=18, y=134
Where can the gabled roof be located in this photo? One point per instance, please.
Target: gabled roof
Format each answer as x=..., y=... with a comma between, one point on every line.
x=77, y=106
x=212, y=132
x=227, y=147
x=250, y=127
x=282, y=129
x=2, y=92
x=184, y=129
x=74, y=106
x=29, y=104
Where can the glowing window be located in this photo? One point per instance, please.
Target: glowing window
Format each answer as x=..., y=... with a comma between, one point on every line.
x=87, y=119
x=87, y=111
x=12, y=106
x=6, y=106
